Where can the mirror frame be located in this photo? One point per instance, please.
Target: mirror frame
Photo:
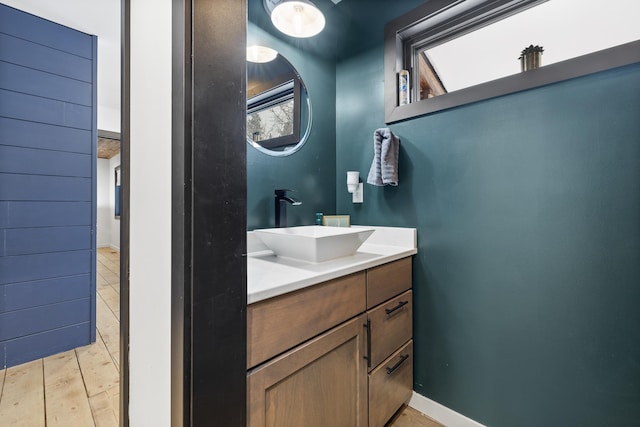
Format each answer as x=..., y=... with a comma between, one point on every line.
x=294, y=141
x=439, y=19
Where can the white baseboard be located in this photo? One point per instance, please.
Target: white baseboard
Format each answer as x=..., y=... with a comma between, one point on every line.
x=115, y=248
x=440, y=413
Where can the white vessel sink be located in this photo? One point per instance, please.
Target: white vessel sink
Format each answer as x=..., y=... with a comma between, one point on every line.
x=314, y=243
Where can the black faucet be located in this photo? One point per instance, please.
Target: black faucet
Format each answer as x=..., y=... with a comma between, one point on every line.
x=281, y=200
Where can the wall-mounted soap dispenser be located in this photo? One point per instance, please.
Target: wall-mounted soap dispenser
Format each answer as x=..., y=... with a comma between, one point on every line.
x=354, y=186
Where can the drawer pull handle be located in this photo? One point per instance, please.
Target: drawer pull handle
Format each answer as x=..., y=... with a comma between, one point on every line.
x=367, y=327
x=395, y=367
x=396, y=308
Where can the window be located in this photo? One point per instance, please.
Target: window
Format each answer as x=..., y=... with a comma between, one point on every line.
x=459, y=52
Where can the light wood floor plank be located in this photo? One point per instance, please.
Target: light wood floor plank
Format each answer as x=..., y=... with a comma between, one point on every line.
x=101, y=281
x=65, y=395
x=105, y=408
x=2, y=373
x=98, y=371
x=115, y=357
x=112, y=299
x=108, y=328
x=409, y=417
x=116, y=288
x=111, y=278
x=113, y=267
x=22, y=402
x=113, y=255
x=101, y=286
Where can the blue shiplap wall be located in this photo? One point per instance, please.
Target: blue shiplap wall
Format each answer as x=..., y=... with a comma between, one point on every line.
x=47, y=187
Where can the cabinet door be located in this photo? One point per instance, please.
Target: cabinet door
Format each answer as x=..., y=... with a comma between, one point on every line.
x=320, y=383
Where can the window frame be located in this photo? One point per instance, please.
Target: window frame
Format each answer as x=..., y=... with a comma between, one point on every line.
x=437, y=21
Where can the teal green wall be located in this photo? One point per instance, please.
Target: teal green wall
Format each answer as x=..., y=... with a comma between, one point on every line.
x=527, y=207
x=527, y=278
x=311, y=170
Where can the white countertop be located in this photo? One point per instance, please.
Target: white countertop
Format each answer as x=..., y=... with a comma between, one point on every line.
x=269, y=276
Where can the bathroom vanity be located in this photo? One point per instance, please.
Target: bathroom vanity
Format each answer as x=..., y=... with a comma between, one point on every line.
x=330, y=343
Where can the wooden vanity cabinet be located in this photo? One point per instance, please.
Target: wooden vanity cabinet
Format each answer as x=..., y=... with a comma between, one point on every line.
x=335, y=354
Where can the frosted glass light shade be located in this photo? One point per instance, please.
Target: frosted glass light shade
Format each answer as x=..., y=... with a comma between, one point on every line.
x=260, y=54
x=298, y=18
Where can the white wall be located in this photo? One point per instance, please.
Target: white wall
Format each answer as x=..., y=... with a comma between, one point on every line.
x=150, y=220
x=114, y=224
x=103, y=226
x=108, y=118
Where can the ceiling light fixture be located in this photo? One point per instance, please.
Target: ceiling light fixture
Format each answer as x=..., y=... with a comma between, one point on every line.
x=295, y=18
x=260, y=54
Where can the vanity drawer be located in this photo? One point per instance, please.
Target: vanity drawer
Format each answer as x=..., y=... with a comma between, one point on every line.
x=388, y=280
x=278, y=324
x=390, y=385
x=391, y=326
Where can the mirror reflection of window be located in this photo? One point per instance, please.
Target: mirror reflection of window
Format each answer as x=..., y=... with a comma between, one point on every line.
x=271, y=115
x=278, y=106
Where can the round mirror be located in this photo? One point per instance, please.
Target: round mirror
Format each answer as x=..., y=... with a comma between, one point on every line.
x=278, y=107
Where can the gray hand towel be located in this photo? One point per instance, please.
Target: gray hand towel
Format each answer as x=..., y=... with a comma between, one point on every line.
x=384, y=168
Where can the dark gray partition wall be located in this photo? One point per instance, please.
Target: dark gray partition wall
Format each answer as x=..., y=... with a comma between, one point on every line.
x=209, y=288
x=47, y=187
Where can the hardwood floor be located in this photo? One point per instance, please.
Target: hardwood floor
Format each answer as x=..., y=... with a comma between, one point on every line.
x=409, y=417
x=79, y=387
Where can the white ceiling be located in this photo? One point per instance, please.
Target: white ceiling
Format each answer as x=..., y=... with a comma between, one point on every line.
x=96, y=17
